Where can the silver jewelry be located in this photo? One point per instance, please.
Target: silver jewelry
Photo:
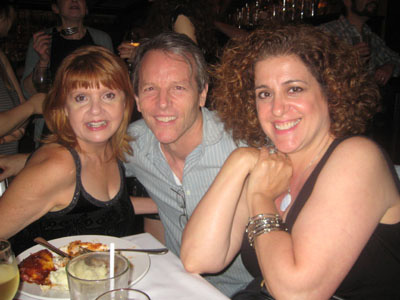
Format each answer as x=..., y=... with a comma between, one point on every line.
x=263, y=223
x=272, y=150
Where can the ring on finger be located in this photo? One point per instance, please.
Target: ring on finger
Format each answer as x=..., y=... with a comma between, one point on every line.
x=272, y=150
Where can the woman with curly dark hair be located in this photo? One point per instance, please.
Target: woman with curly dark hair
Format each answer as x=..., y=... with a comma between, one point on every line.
x=316, y=214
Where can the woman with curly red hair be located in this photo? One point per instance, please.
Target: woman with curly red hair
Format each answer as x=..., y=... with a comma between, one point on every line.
x=316, y=214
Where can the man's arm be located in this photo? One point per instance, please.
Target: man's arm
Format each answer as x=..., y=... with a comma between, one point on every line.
x=144, y=205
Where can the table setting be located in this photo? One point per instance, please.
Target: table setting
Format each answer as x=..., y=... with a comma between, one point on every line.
x=151, y=276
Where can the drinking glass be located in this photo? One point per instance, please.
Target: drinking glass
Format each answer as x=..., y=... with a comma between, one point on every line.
x=89, y=275
x=41, y=79
x=132, y=38
x=124, y=294
x=9, y=273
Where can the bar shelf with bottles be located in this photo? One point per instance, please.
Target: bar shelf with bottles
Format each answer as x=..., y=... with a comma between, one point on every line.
x=254, y=13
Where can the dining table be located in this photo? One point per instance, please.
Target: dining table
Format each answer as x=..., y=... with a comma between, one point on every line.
x=166, y=278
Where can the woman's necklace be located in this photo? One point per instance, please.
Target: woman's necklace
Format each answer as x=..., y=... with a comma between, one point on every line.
x=288, y=197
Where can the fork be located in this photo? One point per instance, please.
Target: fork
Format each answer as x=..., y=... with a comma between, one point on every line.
x=149, y=251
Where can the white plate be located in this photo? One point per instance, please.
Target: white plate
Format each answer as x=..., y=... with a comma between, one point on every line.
x=140, y=262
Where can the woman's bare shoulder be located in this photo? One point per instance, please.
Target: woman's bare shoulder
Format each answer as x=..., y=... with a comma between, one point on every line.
x=52, y=158
x=359, y=157
x=359, y=148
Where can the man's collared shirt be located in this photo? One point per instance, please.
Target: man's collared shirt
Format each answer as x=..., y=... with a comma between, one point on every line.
x=150, y=167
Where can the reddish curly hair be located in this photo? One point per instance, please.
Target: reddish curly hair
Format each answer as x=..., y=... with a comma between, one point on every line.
x=353, y=97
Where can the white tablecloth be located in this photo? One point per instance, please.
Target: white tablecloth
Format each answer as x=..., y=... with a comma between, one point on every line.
x=166, y=278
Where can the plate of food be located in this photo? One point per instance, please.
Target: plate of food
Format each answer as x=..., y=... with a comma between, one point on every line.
x=43, y=274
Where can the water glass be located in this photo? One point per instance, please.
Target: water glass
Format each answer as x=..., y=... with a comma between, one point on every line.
x=124, y=294
x=9, y=273
x=89, y=275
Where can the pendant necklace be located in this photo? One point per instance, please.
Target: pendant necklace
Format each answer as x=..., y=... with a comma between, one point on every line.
x=288, y=197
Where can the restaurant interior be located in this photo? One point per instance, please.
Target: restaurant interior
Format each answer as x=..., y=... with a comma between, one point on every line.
x=117, y=17
x=120, y=17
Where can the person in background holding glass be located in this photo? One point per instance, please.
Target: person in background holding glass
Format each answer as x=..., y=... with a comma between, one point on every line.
x=48, y=48
x=318, y=213
x=75, y=184
x=192, y=18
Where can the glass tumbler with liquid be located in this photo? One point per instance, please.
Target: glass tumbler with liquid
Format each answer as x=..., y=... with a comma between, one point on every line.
x=9, y=273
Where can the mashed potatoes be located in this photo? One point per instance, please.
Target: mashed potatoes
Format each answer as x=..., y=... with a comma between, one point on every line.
x=97, y=271
x=59, y=279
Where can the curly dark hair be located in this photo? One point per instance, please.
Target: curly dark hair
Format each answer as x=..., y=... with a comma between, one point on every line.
x=353, y=97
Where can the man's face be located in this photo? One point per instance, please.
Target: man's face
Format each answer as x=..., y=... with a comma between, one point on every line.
x=70, y=9
x=365, y=8
x=168, y=98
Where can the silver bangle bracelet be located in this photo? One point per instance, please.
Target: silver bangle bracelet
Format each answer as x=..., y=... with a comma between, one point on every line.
x=263, y=223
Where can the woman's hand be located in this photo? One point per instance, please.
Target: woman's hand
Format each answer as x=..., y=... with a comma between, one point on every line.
x=270, y=176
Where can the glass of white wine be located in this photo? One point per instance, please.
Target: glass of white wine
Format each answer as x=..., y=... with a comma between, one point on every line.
x=9, y=273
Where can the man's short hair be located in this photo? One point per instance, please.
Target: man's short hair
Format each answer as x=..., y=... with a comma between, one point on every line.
x=174, y=43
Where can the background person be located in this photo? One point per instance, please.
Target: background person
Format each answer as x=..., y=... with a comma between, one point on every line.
x=382, y=62
x=75, y=183
x=190, y=17
x=335, y=193
x=10, y=91
x=49, y=47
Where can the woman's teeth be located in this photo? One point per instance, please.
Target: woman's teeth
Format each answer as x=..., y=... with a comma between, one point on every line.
x=286, y=125
x=97, y=124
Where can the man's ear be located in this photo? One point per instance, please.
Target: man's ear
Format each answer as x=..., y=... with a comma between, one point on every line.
x=203, y=96
x=137, y=103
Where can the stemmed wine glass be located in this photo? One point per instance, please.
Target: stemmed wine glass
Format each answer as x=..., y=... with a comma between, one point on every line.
x=9, y=273
x=132, y=38
x=41, y=79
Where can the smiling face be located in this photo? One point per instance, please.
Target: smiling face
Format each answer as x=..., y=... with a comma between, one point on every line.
x=168, y=98
x=292, y=108
x=94, y=114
